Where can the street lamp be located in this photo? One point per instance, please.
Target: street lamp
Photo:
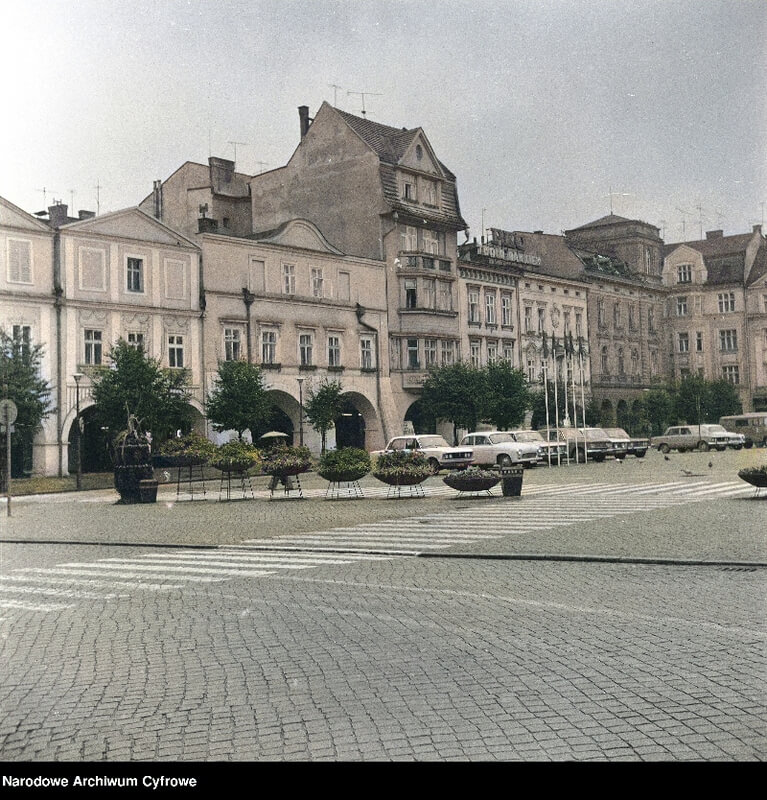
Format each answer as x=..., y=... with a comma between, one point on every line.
x=300, y=411
x=78, y=376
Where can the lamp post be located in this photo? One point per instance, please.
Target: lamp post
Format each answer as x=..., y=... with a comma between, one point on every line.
x=300, y=411
x=78, y=376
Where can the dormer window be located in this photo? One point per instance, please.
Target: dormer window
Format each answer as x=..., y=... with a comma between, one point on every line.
x=429, y=193
x=408, y=191
x=684, y=273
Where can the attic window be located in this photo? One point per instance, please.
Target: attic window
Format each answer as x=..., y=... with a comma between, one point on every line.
x=408, y=191
x=418, y=152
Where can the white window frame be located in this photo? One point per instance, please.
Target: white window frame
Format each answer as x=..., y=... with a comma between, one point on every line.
x=135, y=338
x=367, y=353
x=93, y=346
x=447, y=352
x=22, y=338
x=728, y=340
x=490, y=308
x=730, y=371
x=681, y=306
x=306, y=349
x=232, y=343
x=492, y=352
x=131, y=270
x=684, y=273
x=430, y=352
x=176, y=351
x=475, y=352
x=683, y=342
x=411, y=353
x=726, y=302
x=289, y=279
x=474, y=306
x=334, y=350
x=269, y=347
x=506, y=310
x=318, y=282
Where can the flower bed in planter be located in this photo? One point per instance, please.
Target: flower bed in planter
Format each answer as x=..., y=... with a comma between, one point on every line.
x=756, y=476
x=235, y=457
x=472, y=479
x=191, y=450
x=346, y=465
x=282, y=461
x=402, y=468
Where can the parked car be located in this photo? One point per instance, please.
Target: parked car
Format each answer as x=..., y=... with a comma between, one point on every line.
x=582, y=443
x=556, y=450
x=627, y=445
x=501, y=448
x=438, y=452
x=752, y=426
x=695, y=437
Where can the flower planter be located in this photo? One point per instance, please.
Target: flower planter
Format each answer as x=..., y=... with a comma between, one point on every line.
x=464, y=484
x=349, y=476
x=148, y=491
x=132, y=465
x=400, y=480
x=234, y=467
x=758, y=479
x=178, y=461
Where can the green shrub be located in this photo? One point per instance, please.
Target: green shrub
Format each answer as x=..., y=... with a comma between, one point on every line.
x=235, y=455
x=284, y=460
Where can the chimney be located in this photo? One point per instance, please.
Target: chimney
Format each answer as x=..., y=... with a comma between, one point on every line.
x=221, y=173
x=303, y=116
x=714, y=234
x=757, y=229
x=86, y=214
x=207, y=225
x=157, y=199
x=538, y=232
x=57, y=215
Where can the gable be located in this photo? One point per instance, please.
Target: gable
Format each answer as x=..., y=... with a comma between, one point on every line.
x=131, y=223
x=302, y=234
x=12, y=216
x=420, y=156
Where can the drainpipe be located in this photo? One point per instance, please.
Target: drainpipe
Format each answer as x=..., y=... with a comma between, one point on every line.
x=203, y=373
x=360, y=312
x=248, y=297
x=58, y=294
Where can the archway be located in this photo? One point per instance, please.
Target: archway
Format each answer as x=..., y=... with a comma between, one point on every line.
x=421, y=421
x=96, y=452
x=284, y=418
x=358, y=417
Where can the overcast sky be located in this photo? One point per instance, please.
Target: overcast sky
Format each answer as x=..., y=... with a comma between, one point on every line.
x=541, y=108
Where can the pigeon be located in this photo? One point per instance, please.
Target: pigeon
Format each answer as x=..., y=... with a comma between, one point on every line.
x=687, y=472
x=710, y=464
x=666, y=458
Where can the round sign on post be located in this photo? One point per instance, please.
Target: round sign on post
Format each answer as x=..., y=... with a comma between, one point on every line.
x=8, y=412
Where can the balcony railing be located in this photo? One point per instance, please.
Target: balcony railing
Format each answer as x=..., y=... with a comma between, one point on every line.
x=425, y=261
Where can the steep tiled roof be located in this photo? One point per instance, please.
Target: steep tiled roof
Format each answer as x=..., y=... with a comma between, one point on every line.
x=759, y=269
x=556, y=257
x=724, y=256
x=610, y=219
x=389, y=143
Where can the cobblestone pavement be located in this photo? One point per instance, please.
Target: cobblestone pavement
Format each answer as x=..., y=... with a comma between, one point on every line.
x=267, y=648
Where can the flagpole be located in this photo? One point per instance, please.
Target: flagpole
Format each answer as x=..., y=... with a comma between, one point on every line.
x=583, y=397
x=572, y=386
x=556, y=401
x=546, y=401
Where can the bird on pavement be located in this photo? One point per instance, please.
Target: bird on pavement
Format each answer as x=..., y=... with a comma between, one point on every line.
x=710, y=464
x=666, y=458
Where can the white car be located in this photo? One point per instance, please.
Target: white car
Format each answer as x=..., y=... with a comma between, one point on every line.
x=438, y=452
x=501, y=448
x=557, y=451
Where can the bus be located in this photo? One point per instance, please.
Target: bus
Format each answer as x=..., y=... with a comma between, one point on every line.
x=752, y=425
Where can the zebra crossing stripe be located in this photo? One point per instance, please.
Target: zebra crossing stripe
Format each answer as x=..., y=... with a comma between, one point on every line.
x=90, y=582
x=139, y=583
x=152, y=568
x=20, y=604
x=73, y=593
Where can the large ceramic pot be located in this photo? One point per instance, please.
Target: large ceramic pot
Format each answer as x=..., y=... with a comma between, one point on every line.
x=133, y=464
x=471, y=484
x=400, y=480
x=755, y=478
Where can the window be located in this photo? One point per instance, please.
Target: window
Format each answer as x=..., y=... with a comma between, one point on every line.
x=653, y=362
x=684, y=273
x=541, y=319
x=269, y=347
x=134, y=275
x=430, y=352
x=474, y=305
x=528, y=319
x=508, y=351
x=728, y=340
x=434, y=242
x=22, y=338
x=604, y=360
x=566, y=322
x=445, y=296
x=175, y=351
x=492, y=352
x=448, y=353
x=681, y=306
x=635, y=362
x=617, y=320
x=699, y=342
x=411, y=299
x=136, y=340
x=651, y=319
x=408, y=190
x=429, y=193
x=305, y=349
x=621, y=362
x=489, y=308
x=601, y=313
x=409, y=238
x=19, y=261
x=288, y=279
x=731, y=373
x=232, y=344
x=429, y=293
x=474, y=352
x=92, y=269
x=412, y=354
x=726, y=302
x=334, y=351
x=366, y=353
x=506, y=310
x=93, y=344
x=532, y=372
x=578, y=324
x=317, y=282
x=632, y=318
x=647, y=260
x=684, y=342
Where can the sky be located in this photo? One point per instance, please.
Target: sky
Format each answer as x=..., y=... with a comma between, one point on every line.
x=551, y=113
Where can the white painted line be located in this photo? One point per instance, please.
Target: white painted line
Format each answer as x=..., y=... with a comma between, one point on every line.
x=132, y=565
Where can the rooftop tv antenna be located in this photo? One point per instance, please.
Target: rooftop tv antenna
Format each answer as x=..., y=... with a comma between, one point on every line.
x=98, y=187
x=612, y=194
x=362, y=95
x=684, y=214
x=335, y=87
x=45, y=195
x=234, y=144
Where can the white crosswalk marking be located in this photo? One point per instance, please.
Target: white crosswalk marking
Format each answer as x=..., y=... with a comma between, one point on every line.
x=544, y=507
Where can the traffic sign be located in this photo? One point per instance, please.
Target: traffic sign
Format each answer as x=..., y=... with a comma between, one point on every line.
x=8, y=412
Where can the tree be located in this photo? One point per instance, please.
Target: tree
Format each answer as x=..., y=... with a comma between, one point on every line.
x=691, y=398
x=240, y=400
x=323, y=406
x=508, y=396
x=456, y=392
x=20, y=367
x=538, y=405
x=135, y=383
x=658, y=410
x=723, y=400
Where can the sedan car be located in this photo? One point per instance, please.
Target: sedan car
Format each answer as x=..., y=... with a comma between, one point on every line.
x=553, y=452
x=438, y=452
x=624, y=445
x=501, y=448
